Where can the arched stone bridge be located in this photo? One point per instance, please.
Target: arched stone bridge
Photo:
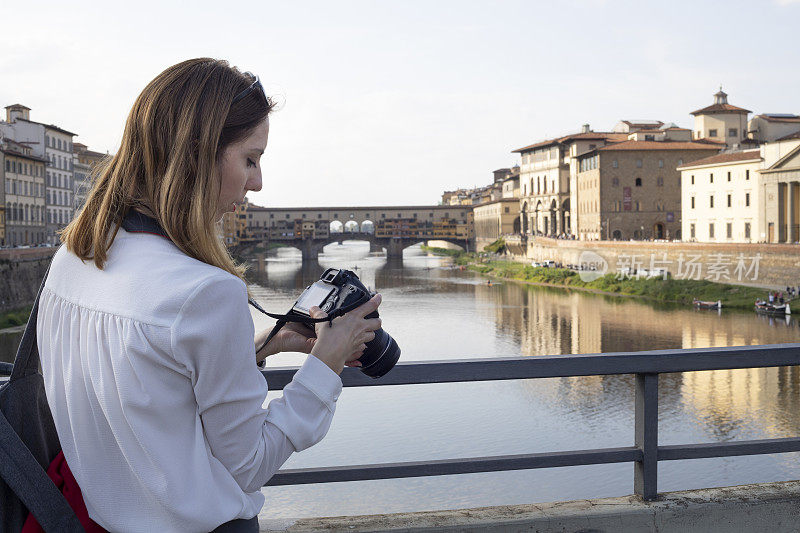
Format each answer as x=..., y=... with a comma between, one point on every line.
x=394, y=246
x=292, y=226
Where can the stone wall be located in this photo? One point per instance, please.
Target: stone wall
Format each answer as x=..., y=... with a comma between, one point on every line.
x=767, y=507
x=767, y=265
x=21, y=273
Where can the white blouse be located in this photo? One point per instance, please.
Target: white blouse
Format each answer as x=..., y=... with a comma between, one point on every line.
x=150, y=372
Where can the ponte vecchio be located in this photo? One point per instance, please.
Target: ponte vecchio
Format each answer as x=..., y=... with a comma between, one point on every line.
x=392, y=228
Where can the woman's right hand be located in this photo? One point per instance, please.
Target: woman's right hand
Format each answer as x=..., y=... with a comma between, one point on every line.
x=344, y=340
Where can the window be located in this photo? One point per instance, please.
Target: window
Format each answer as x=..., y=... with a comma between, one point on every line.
x=507, y=210
x=733, y=132
x=615, y=164
x=729, y=176
x=711, y=230
x=638, y=182
x=638, y=207
x=660, y=181
x=638, y=163
x=711, y=201
x=729, y=200
x=592, y=146
x=747, y=199
x=649, y=137
x=660, y=163
x=680, y=162
x=747, y=174
x=287, y=216
x=712, y=133
x=711, y=177
x=746, y=230
x=692, y=179
x=729, y=230
x=615, y=182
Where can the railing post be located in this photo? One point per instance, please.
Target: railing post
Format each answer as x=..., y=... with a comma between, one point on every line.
x=645, y=473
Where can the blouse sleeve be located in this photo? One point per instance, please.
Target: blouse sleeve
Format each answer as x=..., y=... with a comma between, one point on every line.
x=213, y=337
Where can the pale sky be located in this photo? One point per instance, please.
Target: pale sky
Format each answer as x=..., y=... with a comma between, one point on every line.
x=393, y=102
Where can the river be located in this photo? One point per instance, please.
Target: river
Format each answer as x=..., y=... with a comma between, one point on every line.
x=437, y=312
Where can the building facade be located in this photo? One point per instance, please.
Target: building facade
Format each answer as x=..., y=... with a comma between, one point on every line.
x=780, y=179
x=632, y=189
x=721, y=198
x=770, y=127
x=85, y=163
x=547, y=173
x=494, y=220
x=24, y=194
x=55, y=145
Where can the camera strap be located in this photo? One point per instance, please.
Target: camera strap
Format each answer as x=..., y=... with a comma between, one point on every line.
x=282, y=320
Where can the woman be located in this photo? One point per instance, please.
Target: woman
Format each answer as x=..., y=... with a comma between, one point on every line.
x=145, y=335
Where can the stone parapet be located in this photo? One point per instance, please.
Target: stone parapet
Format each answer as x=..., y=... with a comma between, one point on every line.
x=769, y=507
x=778, y=265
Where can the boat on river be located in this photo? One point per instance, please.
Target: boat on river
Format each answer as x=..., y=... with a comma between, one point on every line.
x=772, y=309
x=700, y=304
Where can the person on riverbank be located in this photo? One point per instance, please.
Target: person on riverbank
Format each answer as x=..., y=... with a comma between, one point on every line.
x=147, y=344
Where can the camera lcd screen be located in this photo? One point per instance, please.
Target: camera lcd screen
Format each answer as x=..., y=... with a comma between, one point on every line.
x=312, y=296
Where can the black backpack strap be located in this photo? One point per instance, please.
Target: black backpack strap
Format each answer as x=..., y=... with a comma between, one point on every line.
x=26, y=477
x=18, y=467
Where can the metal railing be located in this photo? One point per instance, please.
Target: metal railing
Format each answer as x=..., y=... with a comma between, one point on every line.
x=645, y=453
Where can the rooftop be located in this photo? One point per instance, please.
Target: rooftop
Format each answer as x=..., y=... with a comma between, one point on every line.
x=720, y=108
x=795, y=135
x=49, y=126
x=730, y=157
x=779, y=117
x=592, y=135
x=663, y=145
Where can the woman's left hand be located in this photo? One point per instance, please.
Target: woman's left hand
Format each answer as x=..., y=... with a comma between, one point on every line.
x=293, y=337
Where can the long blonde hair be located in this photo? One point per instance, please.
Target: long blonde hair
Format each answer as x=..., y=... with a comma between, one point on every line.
x=166, y=163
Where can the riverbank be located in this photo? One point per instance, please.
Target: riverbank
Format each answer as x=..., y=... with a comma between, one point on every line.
x=15, y=318
x=658, y=289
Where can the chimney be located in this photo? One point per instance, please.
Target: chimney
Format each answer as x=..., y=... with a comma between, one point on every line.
x=586, y=129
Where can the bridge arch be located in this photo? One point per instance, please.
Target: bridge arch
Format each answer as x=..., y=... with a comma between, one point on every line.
x=368, y=226
x=336, y=227
x=351, y=226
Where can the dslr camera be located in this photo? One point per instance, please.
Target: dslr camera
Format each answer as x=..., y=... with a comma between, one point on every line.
x=338, y=292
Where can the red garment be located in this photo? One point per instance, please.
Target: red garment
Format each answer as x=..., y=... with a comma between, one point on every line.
x=61, y=475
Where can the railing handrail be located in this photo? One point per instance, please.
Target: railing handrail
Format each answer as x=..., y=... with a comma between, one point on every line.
x=645, y=454
x=553, y=366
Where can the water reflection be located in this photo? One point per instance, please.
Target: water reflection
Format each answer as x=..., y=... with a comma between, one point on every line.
x=436, y=312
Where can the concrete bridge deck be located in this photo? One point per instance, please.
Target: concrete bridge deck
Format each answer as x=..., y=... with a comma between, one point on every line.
x=767, y=507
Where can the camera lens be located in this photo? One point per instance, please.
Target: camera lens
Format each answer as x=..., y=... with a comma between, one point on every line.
x=381, y=355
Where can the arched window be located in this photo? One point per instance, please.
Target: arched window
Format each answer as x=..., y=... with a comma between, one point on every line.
x=638, y=182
